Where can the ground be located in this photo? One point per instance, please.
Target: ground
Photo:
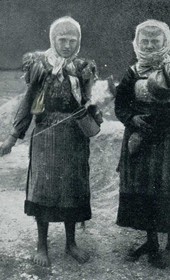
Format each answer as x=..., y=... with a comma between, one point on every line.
x=107, y=243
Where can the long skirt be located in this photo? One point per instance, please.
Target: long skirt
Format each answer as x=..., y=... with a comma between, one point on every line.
x=144, y=201
x=58, y=174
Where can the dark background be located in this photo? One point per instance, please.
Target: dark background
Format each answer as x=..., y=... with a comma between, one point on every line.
x=107, y=28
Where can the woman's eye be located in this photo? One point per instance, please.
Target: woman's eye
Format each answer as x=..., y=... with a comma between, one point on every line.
x=62, y=40
x=73, y=41
x=144, y=41
x=155, y=41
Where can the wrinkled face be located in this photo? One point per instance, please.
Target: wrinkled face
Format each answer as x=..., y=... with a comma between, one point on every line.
x=66, y=39
x=151, y=39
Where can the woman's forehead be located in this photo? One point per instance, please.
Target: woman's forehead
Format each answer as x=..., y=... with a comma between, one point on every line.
x=66, y=36
x=66, y=28
x=151, y=31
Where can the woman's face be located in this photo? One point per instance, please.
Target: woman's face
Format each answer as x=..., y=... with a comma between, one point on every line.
x=66, y=40
x=150, y=41
x=66, y=45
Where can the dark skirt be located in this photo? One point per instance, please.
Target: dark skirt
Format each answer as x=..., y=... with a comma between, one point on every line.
x=58, y=175
x=54, y=214
x=144, y=201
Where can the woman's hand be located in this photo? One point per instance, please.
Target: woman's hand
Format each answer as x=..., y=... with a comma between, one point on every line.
x=139, y=121
x=7, y=145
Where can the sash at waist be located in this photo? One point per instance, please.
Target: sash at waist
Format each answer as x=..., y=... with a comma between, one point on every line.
x=50, y=118
x=151, y=108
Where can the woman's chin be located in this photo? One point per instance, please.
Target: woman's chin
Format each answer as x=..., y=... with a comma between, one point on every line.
x=66, y=54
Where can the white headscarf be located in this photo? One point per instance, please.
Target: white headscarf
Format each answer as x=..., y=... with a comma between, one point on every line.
x=156, y=58
x=53, y=57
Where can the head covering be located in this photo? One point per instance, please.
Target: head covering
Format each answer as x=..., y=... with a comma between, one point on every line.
x=53, y=57
x=154, y=59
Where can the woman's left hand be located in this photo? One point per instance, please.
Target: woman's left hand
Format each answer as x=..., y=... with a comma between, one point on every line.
x=139, y=122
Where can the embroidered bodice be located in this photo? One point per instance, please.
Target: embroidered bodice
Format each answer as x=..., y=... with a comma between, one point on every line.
x=59, y=98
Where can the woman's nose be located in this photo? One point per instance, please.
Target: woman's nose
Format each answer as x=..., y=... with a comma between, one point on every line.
x=150, y=45
x=67, y=44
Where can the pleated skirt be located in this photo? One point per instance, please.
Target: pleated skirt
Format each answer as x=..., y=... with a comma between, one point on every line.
x=58, y=174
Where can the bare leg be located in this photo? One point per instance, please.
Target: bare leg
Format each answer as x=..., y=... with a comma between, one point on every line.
x=152, y=238
x=71, y=247
x=168, y=242
x=154, y=256
x=41, y=256
x=83, y=225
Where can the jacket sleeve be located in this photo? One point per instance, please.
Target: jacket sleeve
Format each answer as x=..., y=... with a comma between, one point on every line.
x=124, y=101
x=23, y=116
x=88, y=76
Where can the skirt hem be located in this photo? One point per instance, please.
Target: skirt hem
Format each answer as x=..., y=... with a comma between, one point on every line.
x=56, y=214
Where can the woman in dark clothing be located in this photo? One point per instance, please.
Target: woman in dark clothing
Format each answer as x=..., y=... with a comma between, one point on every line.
x=143, y=105
x=58, y=176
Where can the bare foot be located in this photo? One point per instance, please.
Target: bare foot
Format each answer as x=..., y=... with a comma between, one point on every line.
x=78, y=254
x=41, y=258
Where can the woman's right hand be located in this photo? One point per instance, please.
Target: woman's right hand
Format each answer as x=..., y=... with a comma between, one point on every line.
x=7, y=145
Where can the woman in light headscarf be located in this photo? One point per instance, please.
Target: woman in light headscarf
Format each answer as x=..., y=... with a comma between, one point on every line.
x=143, y=105
x=58, y=176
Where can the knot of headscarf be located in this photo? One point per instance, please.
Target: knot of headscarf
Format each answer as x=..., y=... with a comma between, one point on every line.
x=55, y=60
x=155, y=59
